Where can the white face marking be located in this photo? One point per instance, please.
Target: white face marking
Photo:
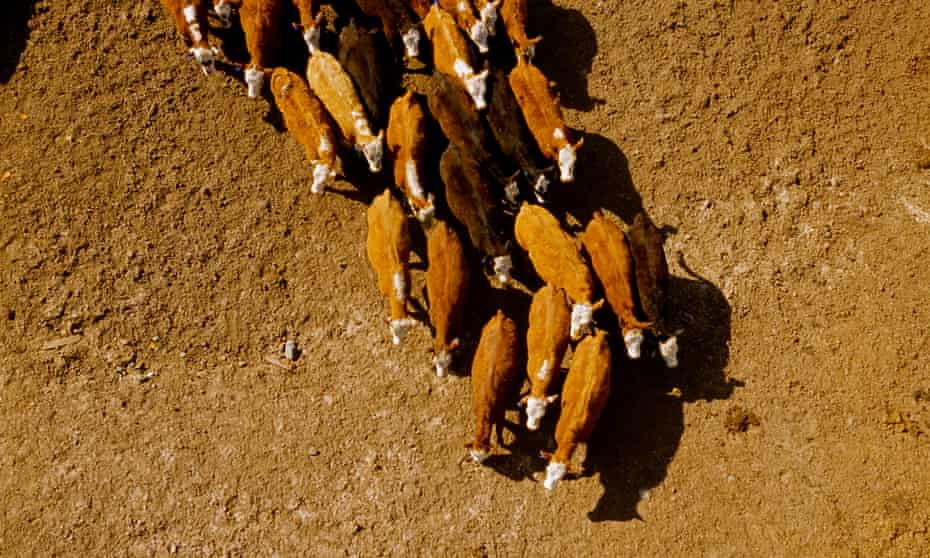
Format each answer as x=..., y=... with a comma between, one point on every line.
x=254, y=79
x=361, y=124
x=554, y=473
x=567, y=163
x=196, y=35
x=558, y=134
x=476, y=86
x=669, y=351
x=204, y=57
x=325, y=145
x=535, y=411
x=512, y=192
x=373, y=152
x=462, y=7
x=633, y=341
x=479, y=34
x=582, y=316
x=412, y=42
x=190, y=13
x=413, y=180
x=223, y=10
x=400, y=286
x=489, y=17
x=400, y=329
x=312, y=38
x=442, y=361
x=426, y=214
x=322, y=176
x=543, y=372
x=461, y=68
x=502, y=267
x=478, y=456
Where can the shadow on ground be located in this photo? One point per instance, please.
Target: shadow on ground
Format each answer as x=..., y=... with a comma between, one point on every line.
x=14, y=32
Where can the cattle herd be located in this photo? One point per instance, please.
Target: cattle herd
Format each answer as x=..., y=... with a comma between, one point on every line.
x=504, y=143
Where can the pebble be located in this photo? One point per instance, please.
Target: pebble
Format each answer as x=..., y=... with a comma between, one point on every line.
x=290, y=350
x=242, y=364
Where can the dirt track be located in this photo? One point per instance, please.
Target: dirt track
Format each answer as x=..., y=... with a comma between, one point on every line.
x=158, y=216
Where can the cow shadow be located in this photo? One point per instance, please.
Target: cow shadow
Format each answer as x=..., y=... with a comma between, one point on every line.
x=14, y=28
x=566, y=52
x=602, y=181
x=642, y=426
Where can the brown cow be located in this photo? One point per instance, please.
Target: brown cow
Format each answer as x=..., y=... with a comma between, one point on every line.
x=261, y=22
x=190, y=17
x=389, y=247
x=546, y=343
x=451, y=54
x=544, y=116
x=447, y=290
x=407, y=142
x=329, y=80
x=471, y=203
x=557, y=260
x=646, y=241
x=464, y=13
x=358, y=54
x=610, y=256
x=494, y=371
x=310, y=19
x=308, y=122
x=398, y=20
x=584, y=397
x=513, y=13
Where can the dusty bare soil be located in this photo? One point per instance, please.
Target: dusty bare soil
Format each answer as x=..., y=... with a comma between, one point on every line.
x=158, y=240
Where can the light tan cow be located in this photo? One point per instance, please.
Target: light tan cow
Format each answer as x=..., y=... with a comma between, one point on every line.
x=452, y=56
x=261, y=23
x=513, y=14
x=607, y=247
x=447, y=278
x=407, y=142
x=584, y=396
x=389, y=253
x=544, y=116
x=308, y=122
x=494, y=371
x=333, y=86
x=546, y=343
x=190, y=17
x=557, y=260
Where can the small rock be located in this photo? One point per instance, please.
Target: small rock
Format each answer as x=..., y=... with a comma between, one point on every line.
x=314, y=452
x=183, y=354
x=242, y=363
x=61, y=342
x=156, y=339
x=290, y=350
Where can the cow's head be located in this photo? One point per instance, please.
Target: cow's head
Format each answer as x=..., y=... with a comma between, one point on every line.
x=411, y=39
x=554, y=473
x=567, y=157
x=478, y=452
x=323, y=176
x=443, y=358
x=254, y=78
x=224, y=10
x=479, y=34
x=541, y=187
x=669, y=351
x=476, y=84
x=206, y=57
x=633, y=340
x=536, y=410
x=400, y=328
x=527, y=51
x=582, y=318
x=502, y=268
x=489, y=16
x=374, y=151
x=425, y=214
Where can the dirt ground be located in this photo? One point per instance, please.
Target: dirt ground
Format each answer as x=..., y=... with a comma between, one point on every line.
x=158, y=240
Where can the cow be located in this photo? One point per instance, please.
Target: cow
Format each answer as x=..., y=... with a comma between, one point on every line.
x=447, y=277
x=470, y=201
x=584, y=396
x=646, y=242
x=261, y=21
x=452, y=56
x=464, y=13
x=462, y=125
x=359, y=55
x=224, y=9
x=398, y=21
x=494, y=371
x=407, y=142
x=557, y=260
x=513, y=137
x=488, y=12
x=606, y=245
x=190, y=17
x=546, y=342
x=389, y=248
x=544, y=116
x=333, y=86
x=513, y=14
x=308, y=122
x=310, y=18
